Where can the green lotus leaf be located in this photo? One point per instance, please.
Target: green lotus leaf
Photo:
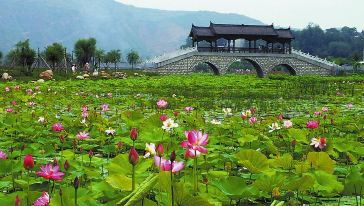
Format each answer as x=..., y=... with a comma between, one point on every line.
x=255, y=161
x=326, y=184
x=247, y=138
x=121, y=182
x=285, y=162
x=298, y=134
x=321, y=161
x=267, y=183
x=301, y=184
x=354, y=182
x=231, y=186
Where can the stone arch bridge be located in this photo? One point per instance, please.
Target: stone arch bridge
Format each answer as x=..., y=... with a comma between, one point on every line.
x=297, y=63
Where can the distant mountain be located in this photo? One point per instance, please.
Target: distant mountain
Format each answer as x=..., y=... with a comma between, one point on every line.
x=113, y=24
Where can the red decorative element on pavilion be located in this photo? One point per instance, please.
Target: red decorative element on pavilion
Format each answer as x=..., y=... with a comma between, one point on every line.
x=253, y=38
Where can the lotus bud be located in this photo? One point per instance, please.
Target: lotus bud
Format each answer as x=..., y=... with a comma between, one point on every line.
x=76, y=183
x=133, y=156
x=160, y=150
x=17, y=201
x=90, y=154
x=120, y=145
x=133, y=134
x=28, y=162
x=61, y=138
x=66, y=165
x=173, y=156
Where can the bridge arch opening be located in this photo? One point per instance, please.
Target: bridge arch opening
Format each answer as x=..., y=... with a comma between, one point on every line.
x=245, y=66
x=283, y=69
x=206, y=67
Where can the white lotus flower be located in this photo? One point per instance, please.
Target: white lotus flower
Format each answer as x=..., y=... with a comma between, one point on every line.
x=169, y=124
x=274, y=127
x=41, y=119
x=287, y=124
x=227, y=111
x=215, y=121
x=110, y=131
x=149, y=150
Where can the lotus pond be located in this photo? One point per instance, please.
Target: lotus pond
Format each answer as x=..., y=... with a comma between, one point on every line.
x=183, y=140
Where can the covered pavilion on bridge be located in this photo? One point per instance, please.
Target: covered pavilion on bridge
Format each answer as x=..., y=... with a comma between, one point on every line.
x=241, y=38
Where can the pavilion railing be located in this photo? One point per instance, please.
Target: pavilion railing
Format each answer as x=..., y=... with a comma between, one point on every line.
x=243, y=50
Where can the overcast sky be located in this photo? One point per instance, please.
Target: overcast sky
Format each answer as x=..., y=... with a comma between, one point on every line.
x=294, y=13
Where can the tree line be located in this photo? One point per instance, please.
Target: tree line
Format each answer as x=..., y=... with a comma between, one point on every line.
x=85, y=51
x=343, y=46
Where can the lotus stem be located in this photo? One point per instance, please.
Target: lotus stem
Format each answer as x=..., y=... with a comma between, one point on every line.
x=172, y=191
x=133, y=179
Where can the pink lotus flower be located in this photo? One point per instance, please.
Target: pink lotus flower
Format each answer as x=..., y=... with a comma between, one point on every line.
x=83, y=135
x=84, y=108
x=312, y=125
x=162, y=104
x=3, y=155
x=31, y=104
x=105, y=107
x=17, y=87
x=84, y=114
x=280, y=117
x=163, y=117
x=316, y=114
x=166, y=165
x=349, y=106
x=188, y=109
x=318, y=142
x=253, y=109
x=109, y=95
x=7, y=89
x=57, y=127
x=325, y=109
x=29, y=91
x=9, y=110
x=42, y=200
x=194, y=144
x=13, y=103
x=287, y=124
x=252, y=119
x=50, y=173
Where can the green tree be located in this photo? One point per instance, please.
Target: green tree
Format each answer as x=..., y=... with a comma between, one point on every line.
x=84, y=50
x=54, y=53
x=133, y=58
x=188, y=43
x=114, y=56
x=99, y=56
x=23, y=55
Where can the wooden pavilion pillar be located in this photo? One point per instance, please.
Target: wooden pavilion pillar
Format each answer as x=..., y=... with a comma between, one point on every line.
x=250, y=45
x=290, y=47
x=255, y=46
x=284, y=47
x=229, y=41
x=234, y=45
